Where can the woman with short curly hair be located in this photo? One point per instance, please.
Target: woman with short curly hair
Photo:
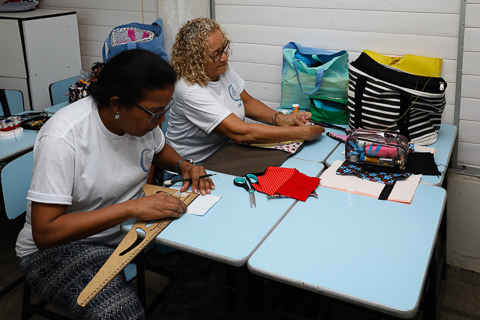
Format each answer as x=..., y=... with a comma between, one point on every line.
x=211, y=102
x=191, y=50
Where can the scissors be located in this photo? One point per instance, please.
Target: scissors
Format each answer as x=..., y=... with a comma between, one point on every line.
x=246, y=183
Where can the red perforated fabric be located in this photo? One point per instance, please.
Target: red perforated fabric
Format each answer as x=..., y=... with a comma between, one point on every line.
x=273, y=179
x=299, y=186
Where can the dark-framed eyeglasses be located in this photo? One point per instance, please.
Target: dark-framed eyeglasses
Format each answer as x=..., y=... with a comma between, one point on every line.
x=219, y=55
x=156, y=116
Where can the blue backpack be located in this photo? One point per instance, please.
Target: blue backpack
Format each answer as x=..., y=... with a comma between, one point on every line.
x=135, y=36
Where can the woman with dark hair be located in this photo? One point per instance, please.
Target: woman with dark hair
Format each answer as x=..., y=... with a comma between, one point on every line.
x=211, y=102
x=91, y=160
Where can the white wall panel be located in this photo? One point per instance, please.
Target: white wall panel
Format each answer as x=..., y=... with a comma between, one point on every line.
x=472, y=39
x=264, y=91
x=470, y=109
x=468, y=154
x=350, y=20
x=470, y=86
x=469, y=131
x=471, y=63
x=430, y=46
x=472, y=16
x=440, y=6
x=258, y=72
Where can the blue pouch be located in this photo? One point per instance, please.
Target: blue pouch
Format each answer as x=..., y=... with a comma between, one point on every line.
x=135, y=36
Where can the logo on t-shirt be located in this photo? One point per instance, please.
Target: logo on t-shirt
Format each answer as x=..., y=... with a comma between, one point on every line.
x=146, y=159
x=233, y=93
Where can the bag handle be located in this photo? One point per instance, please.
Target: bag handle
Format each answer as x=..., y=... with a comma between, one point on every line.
x=359, y=90
x=158, y=22
x=402, y=123
x=318, y=78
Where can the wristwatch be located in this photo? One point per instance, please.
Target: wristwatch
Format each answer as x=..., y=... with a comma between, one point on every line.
x=181, y=160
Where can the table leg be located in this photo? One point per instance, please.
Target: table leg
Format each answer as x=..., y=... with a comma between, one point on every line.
x=266, y=292
x=241, y=280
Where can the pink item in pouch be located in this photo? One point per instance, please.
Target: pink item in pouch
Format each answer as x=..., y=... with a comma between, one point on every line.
x=376, y=150
x=131, y=35
x=145, y=35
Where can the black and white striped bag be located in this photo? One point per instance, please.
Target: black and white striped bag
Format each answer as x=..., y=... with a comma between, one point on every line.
x=387, y=99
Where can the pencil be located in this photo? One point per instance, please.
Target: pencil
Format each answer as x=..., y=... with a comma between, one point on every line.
x=83, y=81
x=170, y=182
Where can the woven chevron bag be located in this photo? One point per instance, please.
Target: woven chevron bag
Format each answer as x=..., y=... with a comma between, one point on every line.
x=387, y=99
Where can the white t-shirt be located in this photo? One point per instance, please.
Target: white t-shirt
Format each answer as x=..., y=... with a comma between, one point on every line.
x=78, y=162
x=198, y=111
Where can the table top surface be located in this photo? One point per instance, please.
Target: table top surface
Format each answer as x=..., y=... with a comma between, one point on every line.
x=444, y=146
x=10, y=148
x=55, y=107
x=231, y=230
x=320, y=149
x=375, y=254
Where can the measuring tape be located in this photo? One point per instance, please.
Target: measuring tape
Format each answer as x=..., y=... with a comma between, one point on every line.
x=124, y=254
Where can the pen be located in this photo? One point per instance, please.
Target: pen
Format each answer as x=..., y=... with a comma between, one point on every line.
x=170, y=182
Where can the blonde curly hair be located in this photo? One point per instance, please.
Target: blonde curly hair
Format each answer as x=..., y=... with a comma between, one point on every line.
x=191, y=53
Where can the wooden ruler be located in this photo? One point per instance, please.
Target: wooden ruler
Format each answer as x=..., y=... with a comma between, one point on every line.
x=126, y=251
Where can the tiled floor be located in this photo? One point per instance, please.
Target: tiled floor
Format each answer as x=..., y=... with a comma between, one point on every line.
x=460, y=297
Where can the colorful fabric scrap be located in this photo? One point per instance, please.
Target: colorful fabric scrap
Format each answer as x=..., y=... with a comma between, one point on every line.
x=383, y=177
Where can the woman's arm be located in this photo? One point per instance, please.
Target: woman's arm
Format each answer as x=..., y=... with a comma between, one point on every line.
x=52, y=226
x=240, y=131
x=288, y=127
x=257, y=110
x=168, y=158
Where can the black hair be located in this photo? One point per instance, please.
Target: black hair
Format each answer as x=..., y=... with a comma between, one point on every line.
x=128, y=75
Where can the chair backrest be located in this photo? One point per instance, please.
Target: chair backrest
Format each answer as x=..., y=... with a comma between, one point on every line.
x=15, y=178
x=59, y=90
x=165, y=123
x=11, y=102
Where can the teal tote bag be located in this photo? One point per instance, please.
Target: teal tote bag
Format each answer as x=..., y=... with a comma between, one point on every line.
x=310, y=71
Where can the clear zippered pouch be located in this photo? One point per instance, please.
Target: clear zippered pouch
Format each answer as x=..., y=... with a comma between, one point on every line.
x=377, y=148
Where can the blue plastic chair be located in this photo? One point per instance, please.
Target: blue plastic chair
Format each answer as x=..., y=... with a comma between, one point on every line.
x=16, y=176
x=13, y=101
x=59, y=90
x=165, y=123
x=15, y=179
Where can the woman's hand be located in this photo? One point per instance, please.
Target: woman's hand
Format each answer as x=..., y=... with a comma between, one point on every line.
x=205, y=185
x=315, y=131
x=158, y=206
x=299, y=118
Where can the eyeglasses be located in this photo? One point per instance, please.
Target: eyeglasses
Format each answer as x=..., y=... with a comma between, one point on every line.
x=156, y=116
x=219, y=55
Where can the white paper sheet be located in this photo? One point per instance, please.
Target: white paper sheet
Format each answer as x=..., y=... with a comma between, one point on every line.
x=202, y=204
x=403, y=191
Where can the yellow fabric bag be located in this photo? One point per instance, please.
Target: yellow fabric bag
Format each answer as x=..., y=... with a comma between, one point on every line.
x=421, y=66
